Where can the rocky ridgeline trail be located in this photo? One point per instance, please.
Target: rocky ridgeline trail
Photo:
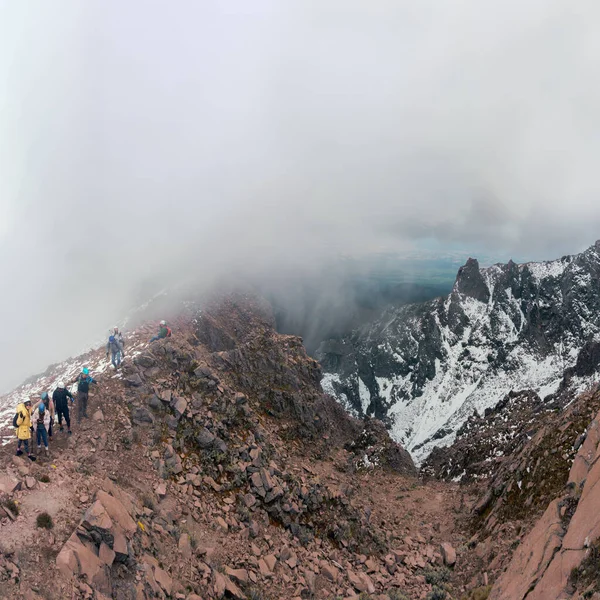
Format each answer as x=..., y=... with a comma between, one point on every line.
x=214, y=467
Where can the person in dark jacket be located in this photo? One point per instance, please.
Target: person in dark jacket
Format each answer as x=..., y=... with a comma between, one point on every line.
x=61, y=397
x=115, y=349
x=83, y=389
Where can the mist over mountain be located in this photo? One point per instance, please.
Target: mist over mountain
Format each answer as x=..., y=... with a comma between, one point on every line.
x=223, y=141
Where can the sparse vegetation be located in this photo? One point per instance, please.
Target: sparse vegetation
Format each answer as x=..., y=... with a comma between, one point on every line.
x=480, y=593
x=437, y=593
x=148, y=502
x=437, y=576
x=44, y=521
x=12, y=506
x=587, y=574
x=396, y=594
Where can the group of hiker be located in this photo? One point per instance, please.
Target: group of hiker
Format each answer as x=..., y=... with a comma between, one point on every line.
x=39, y=418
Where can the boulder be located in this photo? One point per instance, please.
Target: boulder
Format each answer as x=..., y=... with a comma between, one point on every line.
x=120, y=547
x=155, y=403
x=205, y=438
x=117, y=512
x=172, y=461
x=133, y=380
x=161, y=490
x=179, y=405
x=96, y=519
x=8, y=484
x=164, y=580
x=142, y=416
x=106, y=554
x=448, y=554
x=98, y=416
x=185, y=545
x=144, y=360
x=172, y=422
x=238, y=575
x=76, y=560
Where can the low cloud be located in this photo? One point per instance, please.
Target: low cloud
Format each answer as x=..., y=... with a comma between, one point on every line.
x=142, y=144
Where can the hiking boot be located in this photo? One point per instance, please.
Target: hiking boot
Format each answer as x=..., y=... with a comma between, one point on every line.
x=19, y=453
x=39, y=448
x=47, y=451
x=70, y=432
x=61, y=428
x=31, y=457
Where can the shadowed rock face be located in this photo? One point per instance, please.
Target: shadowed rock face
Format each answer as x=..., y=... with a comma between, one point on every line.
x=470, y=282
x=424, y=368
x=275, y=370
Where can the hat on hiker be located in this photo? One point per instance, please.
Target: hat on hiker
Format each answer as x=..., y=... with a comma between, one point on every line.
x=85, y=371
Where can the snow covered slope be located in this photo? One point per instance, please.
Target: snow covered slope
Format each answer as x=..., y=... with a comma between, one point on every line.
x=425, y=368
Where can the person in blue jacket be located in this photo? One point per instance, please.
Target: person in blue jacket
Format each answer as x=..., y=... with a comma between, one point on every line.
x=115, y=349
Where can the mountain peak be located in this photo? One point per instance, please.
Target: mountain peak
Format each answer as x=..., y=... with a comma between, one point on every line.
x=470, y=282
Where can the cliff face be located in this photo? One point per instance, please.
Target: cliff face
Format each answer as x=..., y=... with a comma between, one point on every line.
x=559, y=557
x=425, y=368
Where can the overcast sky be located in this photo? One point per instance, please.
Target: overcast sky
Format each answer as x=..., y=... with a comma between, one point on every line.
x=145, y=137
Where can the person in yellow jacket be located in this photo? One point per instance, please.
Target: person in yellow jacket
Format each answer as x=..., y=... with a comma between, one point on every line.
x=22, y=422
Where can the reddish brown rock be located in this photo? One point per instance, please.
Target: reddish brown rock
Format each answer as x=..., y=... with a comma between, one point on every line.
x=448, y=554
x=531, y=558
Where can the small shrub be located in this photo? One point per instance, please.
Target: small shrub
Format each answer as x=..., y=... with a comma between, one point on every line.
x=12, y=506
x=480, y=593
x=397, y=595
x=148, y=502
x=44, y=521
x=437, y=576
x=437, y=593
x=45, y=479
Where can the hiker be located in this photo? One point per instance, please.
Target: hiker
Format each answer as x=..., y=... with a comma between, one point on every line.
x=60, y=397
x=115, y=348
x=163, y=332
x=49, y=404
x=41, y=421
x=83, y=388
x=118, y=335
x=22, y=423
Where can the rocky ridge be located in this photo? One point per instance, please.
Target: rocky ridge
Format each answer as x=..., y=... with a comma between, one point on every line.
x=214, y=467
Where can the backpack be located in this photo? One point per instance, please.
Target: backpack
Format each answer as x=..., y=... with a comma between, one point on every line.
x=168, y=332
x=15, y=419
x=83, y=385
